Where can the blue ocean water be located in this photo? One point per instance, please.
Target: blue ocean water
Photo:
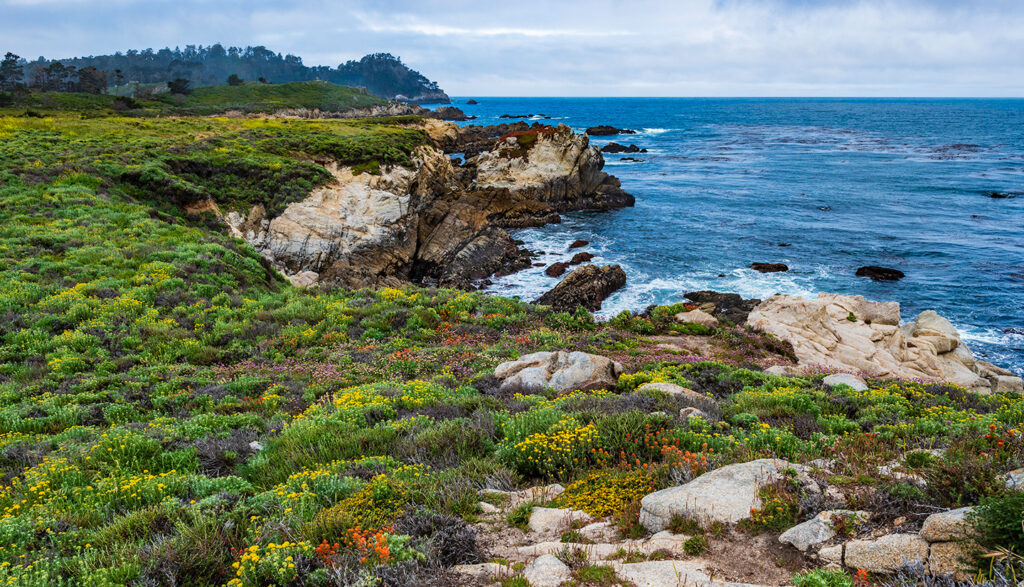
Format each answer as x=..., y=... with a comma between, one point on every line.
x=822, y=185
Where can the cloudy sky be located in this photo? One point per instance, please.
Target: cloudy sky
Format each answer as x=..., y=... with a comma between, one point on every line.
x=583, y=48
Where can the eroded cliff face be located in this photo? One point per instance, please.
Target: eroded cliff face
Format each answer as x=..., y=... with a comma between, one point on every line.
x=434, y=223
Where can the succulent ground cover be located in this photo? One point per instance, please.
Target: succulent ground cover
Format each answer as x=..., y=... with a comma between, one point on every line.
x=173, y=412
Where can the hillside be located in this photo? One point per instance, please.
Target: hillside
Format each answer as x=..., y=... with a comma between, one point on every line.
x=247, y=98
x=381, y=74
x=172, y=411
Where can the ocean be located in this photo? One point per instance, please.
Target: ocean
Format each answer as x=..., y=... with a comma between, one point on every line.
x=822, y=185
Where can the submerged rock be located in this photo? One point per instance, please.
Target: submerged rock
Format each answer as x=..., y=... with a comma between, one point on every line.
x=877, y=273
x=581, y=258
x=850, y=333
x=557, y=269
x=769, y=267
x=586, y=286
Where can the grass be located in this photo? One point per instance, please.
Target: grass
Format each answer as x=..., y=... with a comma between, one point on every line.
x=172, y=411
x=248, y=98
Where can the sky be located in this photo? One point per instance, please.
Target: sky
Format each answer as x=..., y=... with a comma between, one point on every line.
x=582, y=48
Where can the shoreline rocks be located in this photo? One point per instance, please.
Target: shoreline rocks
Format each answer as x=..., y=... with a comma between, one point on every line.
x=585, y=286
x=604, y=130
x=769, y=267
x=434, y=223
x=617, y=148
x=850, y=333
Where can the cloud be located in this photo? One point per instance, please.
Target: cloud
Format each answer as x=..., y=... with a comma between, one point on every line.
x=594, y=47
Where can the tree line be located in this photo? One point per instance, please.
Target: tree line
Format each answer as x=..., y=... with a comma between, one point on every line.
x=382, y=74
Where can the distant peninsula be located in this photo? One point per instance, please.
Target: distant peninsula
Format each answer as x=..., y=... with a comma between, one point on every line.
x=382, y=74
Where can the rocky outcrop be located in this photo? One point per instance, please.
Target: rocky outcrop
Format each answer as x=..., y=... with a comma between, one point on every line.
x=433, y=223
x=769, y=267
x=724, y=495
x=886, y=554
x=450, y=113
x=604, y=130
x=729, y=306
x=819, y=529
x=850, y=333
x=561, y=370
x=578, y=243
x=614, y=147
x=586, y=286
x=557, y=269
x=553, y=166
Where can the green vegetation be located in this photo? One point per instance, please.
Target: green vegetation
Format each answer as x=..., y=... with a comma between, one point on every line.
x=171, y=411
x=246, y=98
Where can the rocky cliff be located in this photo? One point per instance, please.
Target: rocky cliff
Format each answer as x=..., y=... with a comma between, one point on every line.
x=436, y=222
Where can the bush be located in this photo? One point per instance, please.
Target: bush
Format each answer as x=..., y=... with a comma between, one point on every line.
x=822, y=578
x=695, y=545
x=999, y=522
x=606, y=492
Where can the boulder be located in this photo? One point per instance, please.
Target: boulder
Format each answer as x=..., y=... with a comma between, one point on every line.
x=724, y=495
x=831, y=556
x=850, y=333
x=551, y=522
x=561, y=370
x=769, y=267
x=689, y=397
x=547, y=571
x=697, y=317
x=876, y=273
x=946, y=526
x=471, y=102
x=556, y=269
x=817, y=530
x=600, y=532
x=687, y=413
x=582, y=257
x=1015, y=479
x=951, y=558
x=586, y=286
x=604, y=130
x=578, y=243
x=852, y=381
x=886, y=554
